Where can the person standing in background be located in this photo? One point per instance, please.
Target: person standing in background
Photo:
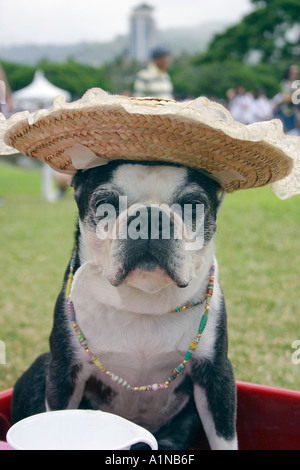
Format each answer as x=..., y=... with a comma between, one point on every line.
x=242, y=105
x=155, y=81
x=286, y=110
x=263, y=107
x=6, y=104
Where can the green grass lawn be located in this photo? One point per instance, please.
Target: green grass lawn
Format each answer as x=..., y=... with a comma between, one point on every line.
x=258, y=252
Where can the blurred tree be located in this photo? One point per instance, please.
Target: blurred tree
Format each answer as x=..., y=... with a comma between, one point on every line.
x=121, y=72
x=18, y=75
x=268, y=34
x=115, y=77
x=256, y=52
x=75, y=77
x=71, y=76
x=192, y=78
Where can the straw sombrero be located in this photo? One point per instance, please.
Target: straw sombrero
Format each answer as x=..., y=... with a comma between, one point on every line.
x=200, y=134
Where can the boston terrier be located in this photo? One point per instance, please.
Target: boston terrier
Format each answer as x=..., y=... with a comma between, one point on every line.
x=138, y=287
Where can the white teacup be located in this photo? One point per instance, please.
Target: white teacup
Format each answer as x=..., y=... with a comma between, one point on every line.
x=77, y=430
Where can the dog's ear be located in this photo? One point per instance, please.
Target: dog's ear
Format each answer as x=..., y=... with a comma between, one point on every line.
x=76, y=180
x=76, y=183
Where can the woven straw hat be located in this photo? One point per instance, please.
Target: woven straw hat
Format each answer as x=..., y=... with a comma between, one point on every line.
x=200, y=134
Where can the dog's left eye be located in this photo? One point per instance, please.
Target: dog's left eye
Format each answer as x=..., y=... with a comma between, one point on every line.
x=191, y=200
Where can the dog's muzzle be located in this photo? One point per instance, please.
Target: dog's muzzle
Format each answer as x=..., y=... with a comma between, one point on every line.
x=150, y=240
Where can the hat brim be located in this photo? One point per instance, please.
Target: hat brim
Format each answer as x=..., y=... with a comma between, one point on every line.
x=200, y=134
x=5, y=150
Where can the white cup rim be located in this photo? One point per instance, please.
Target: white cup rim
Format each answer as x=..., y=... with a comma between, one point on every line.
x=77, y=429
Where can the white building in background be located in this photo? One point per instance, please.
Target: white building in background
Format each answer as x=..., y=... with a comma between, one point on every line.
x=142, y=33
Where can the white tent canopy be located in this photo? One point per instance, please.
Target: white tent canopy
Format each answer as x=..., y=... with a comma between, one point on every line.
x=40, y=93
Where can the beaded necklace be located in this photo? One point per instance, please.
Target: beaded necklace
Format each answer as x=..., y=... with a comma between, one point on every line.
x=175, y=372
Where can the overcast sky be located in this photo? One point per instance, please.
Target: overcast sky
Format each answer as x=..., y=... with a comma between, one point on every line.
x=69, y=21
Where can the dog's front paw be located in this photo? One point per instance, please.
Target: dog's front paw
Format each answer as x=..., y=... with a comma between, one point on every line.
x=163, y=444
x=167, y=444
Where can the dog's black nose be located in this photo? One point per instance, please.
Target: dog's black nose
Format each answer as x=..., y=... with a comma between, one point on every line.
x=151, y=242
x=150, y=223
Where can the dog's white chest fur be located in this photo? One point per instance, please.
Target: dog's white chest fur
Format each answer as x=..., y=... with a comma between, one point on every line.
x=141, y=348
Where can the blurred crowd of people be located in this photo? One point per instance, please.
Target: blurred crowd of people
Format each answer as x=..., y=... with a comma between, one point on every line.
x=245, y=106
x=248, y=107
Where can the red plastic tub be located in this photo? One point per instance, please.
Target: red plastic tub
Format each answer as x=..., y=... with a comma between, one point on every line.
x=5, y=399
x=268, y=418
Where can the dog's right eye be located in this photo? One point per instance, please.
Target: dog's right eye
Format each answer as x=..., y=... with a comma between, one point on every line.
x=107, y=198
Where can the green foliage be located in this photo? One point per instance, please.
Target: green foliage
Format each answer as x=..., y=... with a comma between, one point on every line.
x=71, y=76
x=114, y=77
x=265, y=30
x=254, y=53
x=191, y=76
x=121, y=73
x=74, y=77
x=18, y=75
x=213, y=79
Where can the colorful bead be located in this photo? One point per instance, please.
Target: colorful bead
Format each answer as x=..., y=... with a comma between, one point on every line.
x=184, y=307
x=203, y=323
x=99, y=364
x=188, y=356
x=177, y=370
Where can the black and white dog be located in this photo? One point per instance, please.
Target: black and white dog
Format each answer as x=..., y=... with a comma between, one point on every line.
x=122, y=291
